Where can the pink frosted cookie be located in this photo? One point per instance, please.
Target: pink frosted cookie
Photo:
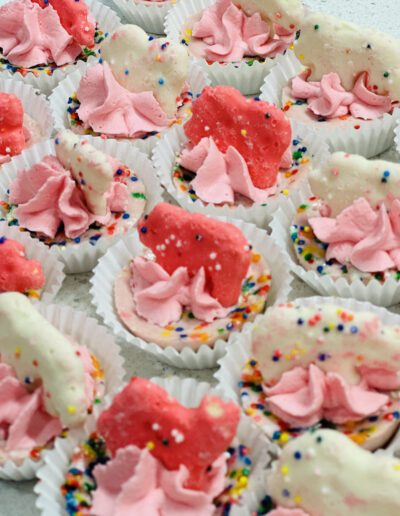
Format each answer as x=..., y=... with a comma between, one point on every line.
x=17, y=272
x=203, y=282
x=323, y=367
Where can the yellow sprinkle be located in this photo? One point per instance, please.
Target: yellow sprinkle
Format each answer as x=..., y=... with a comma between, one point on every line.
x=285, y=192
x=331, y=326
x=285, y=470
x=255, y=258
x=33, y=294
x=158, y=58
x=71, y=409
x=243, y=481
x=243, y=132
x=396, y=467
x=284, y=438
x=150, y=445
x=358, y=438
x=188, y=32
x=165, y=333
x=263, y=278
x=297, y=499
x=291, y=46
x=301, y=57
x=307, y=229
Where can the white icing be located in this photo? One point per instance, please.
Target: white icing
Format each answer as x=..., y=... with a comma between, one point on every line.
x=90, y=167
x=326, y=474
x=361, y=334
x=287, y=13
x=328, y=44
x=347, y=177
x=39, y=352
x=140, y=64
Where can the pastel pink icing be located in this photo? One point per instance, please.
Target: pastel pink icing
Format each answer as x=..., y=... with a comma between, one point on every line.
x=368, y=239
x=24, y=422
x=230, y=34
x=47, y=196
x=135, y=482
x=160, y=297
x=305, y=396
x=281, y=511
x=109, y=108
x=329, y=99
x=30, y=35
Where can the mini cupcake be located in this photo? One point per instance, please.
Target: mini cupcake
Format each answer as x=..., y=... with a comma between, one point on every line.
x=240, y=163
x=139, y=87
x=25, y=118
x=96, y=197
x=236, y=42
x=43, y=40
x=345, y=84
x=45, y=389
x=148, y=14
x=199, y=458
x=187, y=282
x=314, y=363
x=346, y=235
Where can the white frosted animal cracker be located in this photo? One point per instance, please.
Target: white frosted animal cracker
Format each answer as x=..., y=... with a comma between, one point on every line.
x=38, y=351
x=347, y=177
x=328, y=44
x=90, y=167
x=287, y=13
x=325, y=474
x=142, y=63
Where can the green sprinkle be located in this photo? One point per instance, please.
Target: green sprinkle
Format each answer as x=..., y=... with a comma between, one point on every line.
x=386, y=74
x=316, y=27
x=297, y=154
x=137, y=195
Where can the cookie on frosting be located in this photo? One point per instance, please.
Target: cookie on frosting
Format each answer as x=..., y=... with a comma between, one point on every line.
x=286, y=13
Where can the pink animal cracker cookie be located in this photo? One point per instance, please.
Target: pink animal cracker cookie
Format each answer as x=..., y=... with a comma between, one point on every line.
x=259, y=131
x=323, y=365
x=12, y=136
x=195, y=281
x=153, y=419
x=17, y=272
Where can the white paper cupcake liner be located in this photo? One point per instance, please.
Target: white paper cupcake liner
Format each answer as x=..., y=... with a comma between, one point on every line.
x=35, y=250
x=35, y=105
x=83, y=257
x=381, y=294
x=59, y=103
x=189, y=392
x=86, y=331
x=120, y=255
x=107, y=21
x=148, y=15
x=371, y=139
x=248, y=79
x=397, y=133
x=171, y=146
x=239, y=353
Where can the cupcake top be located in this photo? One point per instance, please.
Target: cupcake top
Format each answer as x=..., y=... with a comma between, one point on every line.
x=323, y=472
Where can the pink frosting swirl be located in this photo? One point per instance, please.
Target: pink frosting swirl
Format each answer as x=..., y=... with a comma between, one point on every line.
x=329, y=99
x=109, y=108
x=135, y=482
x=368, y=239
x=220, y=175
x=305, y=396
x=160, y=297
x=47, y=196
x=30, y=36
x=230, y=34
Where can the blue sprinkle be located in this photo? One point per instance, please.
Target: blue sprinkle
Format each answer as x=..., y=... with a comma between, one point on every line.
x=77, y=240
x=125, y=216
x=126, y=72
x=2, y=240
x=276, y=435
x=229, y=326
x=134, y=179
x=57, y=141
x=143, y=230
x=253, y=363
x=340, y=327
x=354, y=329
x=151, y=38
x=300, y=321
x=182, y=335
x=295, y=142
x=101, y=60
x=386, y=173
x=257, y=99
x=286, y=493
x=179, y=329
x=119, y=172
x=297, y=455
x=320, y=269
x=275, y=358
x=396, y=414
x=161, y=81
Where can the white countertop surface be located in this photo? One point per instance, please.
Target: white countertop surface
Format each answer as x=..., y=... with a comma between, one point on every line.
x=17, y=499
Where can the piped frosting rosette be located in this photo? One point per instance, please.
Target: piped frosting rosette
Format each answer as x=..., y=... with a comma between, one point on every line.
x=27, y=266
x=242, y=164
x=318, y=363
x=235, y=42
x=198, y=406
x=51, y=388
x=342, y=80
x=341, y=233
x=184, y=284
x=112, y=99
x=42, y=42
x=148, y=14
x=98, y=188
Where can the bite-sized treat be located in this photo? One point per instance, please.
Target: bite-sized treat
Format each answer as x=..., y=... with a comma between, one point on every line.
x=196, y=280
x=323, y=366
x=17, y=272
x=115, y=100
x=18, y=129
x=231, y=31
x=164, y=459
x=41, y=36
x=351, y=75
x=78, y=195
x=350, y=228
x=239, y=156
x=323, y=472
x=48, y=382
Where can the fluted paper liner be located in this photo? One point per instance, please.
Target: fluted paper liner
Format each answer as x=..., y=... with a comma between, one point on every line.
x=148, y=15
x=120, y=255
x=85, y=331
x=83, y=257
